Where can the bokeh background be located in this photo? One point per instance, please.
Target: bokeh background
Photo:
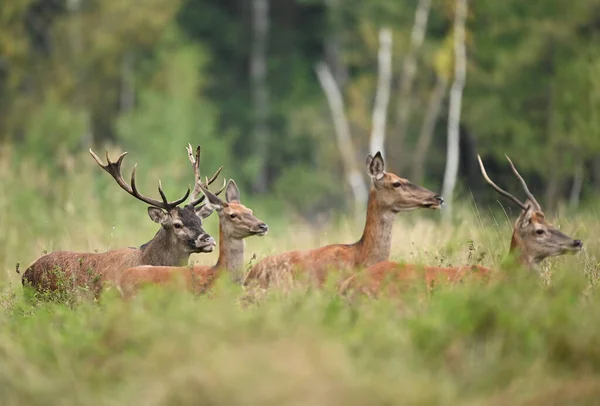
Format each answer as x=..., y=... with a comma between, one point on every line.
x=255, y=83
x=290, y=96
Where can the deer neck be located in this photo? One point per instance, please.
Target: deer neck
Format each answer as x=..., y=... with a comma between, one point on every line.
x=518, y=250
x=376, y=241
x=231, y=255
x=163, y=250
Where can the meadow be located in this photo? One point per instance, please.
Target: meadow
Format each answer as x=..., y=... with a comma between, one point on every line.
x=526, y=340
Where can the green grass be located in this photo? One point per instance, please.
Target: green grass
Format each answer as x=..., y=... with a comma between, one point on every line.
x=526, y=341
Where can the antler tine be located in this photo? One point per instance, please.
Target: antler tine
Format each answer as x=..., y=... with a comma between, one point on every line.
x=222, y=188
x=177, y=202
x=497, y=188
x=196, y=167
x=214, y=177
x=530, y=195
x=152, y=202
x=162, y=194
x=197, y=196
x=113, y=169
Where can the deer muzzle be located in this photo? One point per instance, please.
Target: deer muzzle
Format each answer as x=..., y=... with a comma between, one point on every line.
x=261, y=229
x=204, y=243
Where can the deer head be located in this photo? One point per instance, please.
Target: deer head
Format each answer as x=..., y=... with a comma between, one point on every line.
x=182, y=224
x=535, y=237
x=236, y=220
x=398, y=194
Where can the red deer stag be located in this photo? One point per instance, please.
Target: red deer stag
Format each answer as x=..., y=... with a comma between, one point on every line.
x=389, y=195
x=236, y=222
x=181, y=234
x=533, y=240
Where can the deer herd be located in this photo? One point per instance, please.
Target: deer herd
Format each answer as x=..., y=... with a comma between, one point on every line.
x=359, y=268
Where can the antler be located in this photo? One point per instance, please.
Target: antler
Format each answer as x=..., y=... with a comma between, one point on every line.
x=527, y=191
x=114, y=169
x=198, y=184
x=497, y=188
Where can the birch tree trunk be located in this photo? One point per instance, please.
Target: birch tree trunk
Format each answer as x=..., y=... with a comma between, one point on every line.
x=575, y=196
x=460, y=73
x=596, y=173
x=407, y=79
x=260, y=93
x=382, y=96
x=343, y=137
x=434, y=108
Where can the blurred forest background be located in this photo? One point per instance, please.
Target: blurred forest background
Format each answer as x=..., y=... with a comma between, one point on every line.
x=247, y=80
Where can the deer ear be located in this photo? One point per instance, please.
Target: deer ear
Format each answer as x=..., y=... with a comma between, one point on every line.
x=232, y=193
x=204, y=211
x=213, y=200
x=525, y=217
x=375, y=166
x=158, y=215
x=534, y=205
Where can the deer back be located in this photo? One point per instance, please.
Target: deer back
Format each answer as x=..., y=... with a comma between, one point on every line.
x=393, y=278
x=67, y=269
x=197, y=279
x=389, y=195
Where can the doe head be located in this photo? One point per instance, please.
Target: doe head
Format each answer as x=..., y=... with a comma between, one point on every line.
x=236, y=220
x=398, y=194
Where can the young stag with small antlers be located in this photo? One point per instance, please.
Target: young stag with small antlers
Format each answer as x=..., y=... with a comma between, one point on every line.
x=181, y=234
x=389, y=195
x=236, y=222
x=533, y=240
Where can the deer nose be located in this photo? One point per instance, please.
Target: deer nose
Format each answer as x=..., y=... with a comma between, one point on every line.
x=263, y=227
x=207, y=239
x=577, y=243
x=439, y=198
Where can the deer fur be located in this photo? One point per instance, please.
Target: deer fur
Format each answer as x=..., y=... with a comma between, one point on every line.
x=389, y=195
x=236, y=222
x=394, y=277
x=181, y=234
x=533, y=240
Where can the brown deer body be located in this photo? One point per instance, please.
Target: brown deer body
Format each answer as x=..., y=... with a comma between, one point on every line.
x=394, y=277
x=181, y=234
x=236, y=222
x=388, y=196
x=533, y=240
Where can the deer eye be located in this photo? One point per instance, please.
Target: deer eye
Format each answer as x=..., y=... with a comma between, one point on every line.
x=396, y=184
x=177, y=225
x=232, y=215
x=539, y=231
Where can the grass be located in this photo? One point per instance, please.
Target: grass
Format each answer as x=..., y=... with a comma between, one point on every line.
x=527, y=341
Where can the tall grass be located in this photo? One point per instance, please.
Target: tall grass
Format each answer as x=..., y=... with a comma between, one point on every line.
x=527, y=340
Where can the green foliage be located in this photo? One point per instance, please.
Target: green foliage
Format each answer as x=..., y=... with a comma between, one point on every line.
x=508, y=343
x=54, y=120
x=308, y=192
x=169, y=113
x=156, y=76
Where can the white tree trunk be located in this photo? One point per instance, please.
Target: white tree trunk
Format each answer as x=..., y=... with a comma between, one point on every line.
x=434, y=108
x=409, y=70
x=260, y=93
x=382, y=96
x=575, y=196
x=342, y=132
x=460, y=73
